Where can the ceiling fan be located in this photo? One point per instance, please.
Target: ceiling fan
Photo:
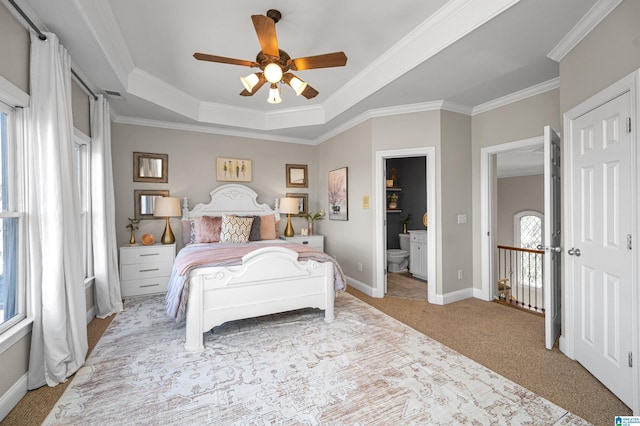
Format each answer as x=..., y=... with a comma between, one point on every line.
x=275, y=64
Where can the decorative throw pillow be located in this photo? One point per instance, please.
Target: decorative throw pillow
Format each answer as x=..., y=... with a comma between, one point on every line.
x=268, y=227
x=207, y=229
x=254, y=234
x=235, y=229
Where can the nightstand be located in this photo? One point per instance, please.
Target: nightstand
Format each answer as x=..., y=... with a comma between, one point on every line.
x=316, y=242
x=145, y=269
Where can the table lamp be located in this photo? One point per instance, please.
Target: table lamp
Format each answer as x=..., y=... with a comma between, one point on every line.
x=167, y=207
x=289, y=206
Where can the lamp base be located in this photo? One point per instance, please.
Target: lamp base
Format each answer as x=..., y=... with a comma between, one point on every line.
x=288, y=231
x=167, y=235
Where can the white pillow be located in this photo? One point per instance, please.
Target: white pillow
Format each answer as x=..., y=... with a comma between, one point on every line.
x=235, y=229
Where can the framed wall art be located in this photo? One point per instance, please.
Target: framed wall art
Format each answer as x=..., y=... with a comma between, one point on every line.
x=338, y=194
x=303, y=201
x=297, y=176
x=233, y=170
x=149, y=167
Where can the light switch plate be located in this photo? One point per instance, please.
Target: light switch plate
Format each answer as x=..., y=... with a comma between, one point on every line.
x=462, y=218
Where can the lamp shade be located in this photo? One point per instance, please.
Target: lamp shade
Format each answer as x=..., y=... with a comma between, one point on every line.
x=274, y=95
x=167, y=207
x=250, y=81
x=289, y=205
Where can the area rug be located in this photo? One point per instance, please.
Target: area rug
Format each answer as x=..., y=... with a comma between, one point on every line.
x=365, y=368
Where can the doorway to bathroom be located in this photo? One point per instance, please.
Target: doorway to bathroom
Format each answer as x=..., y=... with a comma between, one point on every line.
x=405, y=194
x=406, y=201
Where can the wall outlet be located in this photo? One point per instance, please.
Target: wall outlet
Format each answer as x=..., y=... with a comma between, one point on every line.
x=460, y=274
x=359, y=266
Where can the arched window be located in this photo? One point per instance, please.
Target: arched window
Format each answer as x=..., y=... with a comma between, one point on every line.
x=528, y=235
x=528, y=229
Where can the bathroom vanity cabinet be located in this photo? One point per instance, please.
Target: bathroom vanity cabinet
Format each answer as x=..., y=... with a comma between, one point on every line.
x=418, y=254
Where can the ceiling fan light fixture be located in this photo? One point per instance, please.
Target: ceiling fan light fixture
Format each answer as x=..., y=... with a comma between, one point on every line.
x=297, y=85
x=274, y=94
x=250, y=81
x=273, y=73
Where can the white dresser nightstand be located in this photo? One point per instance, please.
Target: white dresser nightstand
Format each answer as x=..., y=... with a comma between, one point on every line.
x=315, y=242
x=145, y=269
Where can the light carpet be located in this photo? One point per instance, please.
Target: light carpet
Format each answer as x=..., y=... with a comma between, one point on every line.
x=365, y=368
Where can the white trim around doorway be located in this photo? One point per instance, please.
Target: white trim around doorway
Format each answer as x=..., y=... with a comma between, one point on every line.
x=380, y=216
x=487, y=174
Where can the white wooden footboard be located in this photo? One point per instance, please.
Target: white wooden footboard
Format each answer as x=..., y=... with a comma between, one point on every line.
x=270, y=280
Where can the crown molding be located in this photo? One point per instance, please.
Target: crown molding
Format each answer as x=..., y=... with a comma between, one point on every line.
x=517, y=96
x=207, y=129
x=585, y=25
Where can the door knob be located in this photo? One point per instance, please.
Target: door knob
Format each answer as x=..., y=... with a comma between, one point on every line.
x=574, y=251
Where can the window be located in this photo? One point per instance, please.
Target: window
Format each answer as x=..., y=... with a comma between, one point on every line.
x=82, y=173
x=12, y=287
x=528, y=235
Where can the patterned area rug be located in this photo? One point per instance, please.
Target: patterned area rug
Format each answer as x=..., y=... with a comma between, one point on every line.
x=365, y=368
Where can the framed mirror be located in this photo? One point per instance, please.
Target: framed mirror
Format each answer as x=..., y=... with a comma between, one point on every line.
x=149, y=167
x=144, y=200
x=302, y=202
x=297, y=176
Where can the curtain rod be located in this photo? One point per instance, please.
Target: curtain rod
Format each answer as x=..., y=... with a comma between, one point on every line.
x=43, y=37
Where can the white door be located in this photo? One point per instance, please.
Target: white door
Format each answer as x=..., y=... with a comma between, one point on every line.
x=551, y=266
x=600, y=260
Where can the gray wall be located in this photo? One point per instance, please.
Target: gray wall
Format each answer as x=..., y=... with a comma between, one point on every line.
x=192, y=171
x=515, y=195
x=610, y=52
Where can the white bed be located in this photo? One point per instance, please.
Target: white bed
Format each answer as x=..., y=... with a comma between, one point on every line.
x=269, y=280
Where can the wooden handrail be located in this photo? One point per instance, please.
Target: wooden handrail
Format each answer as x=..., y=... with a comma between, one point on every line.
x=521, y=249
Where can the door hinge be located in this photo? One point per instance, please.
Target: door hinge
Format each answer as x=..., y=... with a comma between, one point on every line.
x=629, y=245
x=630, y=359
x=628, y=124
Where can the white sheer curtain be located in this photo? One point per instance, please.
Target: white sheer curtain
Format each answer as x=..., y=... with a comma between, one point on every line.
x=105, y=254
x=57, y=295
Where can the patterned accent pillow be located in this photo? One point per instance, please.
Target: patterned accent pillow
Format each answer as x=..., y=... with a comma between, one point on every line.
x=254, y=234
x=207, y=229
x=268, y=227
x=235, y=229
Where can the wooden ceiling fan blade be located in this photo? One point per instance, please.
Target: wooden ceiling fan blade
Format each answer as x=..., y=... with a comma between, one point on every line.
x=335, y=59
x=266, y=31
x=224, y=60
x=309, y=92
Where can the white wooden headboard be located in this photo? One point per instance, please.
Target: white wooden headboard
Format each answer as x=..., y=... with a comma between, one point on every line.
x=229, y=199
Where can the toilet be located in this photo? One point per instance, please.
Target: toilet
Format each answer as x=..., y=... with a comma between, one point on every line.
x=398, y=259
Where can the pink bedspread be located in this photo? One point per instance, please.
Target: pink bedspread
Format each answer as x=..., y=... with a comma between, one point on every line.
x=227, y=254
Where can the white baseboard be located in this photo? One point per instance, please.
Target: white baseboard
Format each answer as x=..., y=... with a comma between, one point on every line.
x=456, y=296
x=91, y=314
x=358, y=285
x=11, y=398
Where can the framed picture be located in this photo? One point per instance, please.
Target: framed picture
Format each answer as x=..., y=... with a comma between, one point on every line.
x=144, y=201
x=303, y=200
x=338, y=194
x=233, y=170
x=297, y=176
x=149, y=167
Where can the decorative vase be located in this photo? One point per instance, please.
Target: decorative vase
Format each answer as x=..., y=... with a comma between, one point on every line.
x=132, y=240
x=393, y=205
x=310, y=227
x=404, y=228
